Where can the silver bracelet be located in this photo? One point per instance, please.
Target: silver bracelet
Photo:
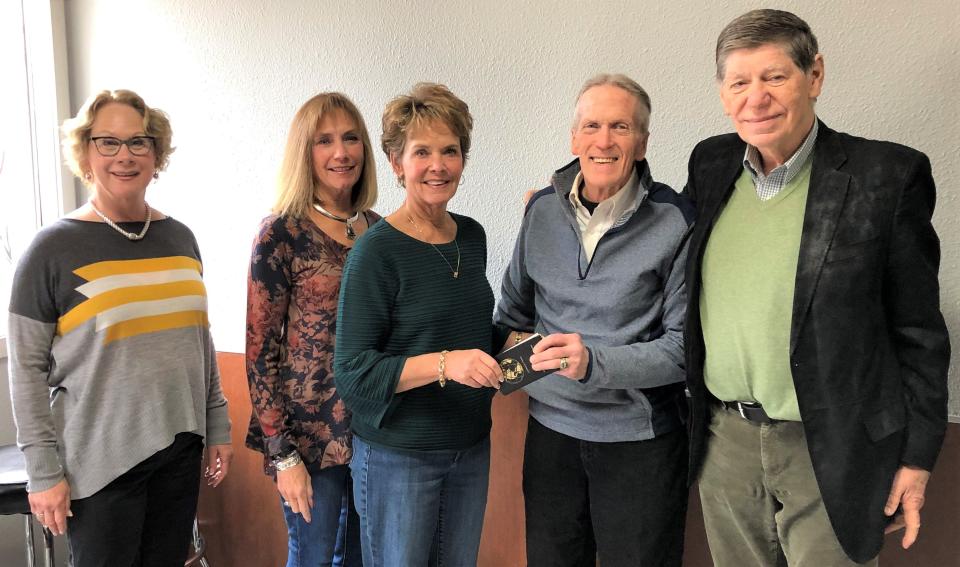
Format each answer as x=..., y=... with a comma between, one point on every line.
x=288, y=462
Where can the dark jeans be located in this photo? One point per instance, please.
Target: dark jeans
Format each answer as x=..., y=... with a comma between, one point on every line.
x=624, y=502
x=143, y=518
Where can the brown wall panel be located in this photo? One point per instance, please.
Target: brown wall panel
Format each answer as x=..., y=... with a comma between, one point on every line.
x=244, y=527
x=241, y=518
x=503, y=532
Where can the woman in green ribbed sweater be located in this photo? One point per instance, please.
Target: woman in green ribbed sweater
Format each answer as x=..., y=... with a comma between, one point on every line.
x=414, y=339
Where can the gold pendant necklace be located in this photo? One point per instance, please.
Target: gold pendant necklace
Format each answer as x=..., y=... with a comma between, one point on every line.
x=455, y=272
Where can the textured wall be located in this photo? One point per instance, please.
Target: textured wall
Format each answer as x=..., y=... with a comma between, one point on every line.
x=231, y=73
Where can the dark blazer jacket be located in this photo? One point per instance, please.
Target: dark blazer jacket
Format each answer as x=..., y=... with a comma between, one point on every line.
x=869, y=350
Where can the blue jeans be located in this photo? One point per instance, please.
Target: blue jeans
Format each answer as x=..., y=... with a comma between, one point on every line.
x=420, y=507
x=333, y=535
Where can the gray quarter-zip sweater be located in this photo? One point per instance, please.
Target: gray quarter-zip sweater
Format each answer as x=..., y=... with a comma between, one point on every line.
x=627, y=303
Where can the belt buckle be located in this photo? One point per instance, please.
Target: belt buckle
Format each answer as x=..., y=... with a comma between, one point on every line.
x=740, y=409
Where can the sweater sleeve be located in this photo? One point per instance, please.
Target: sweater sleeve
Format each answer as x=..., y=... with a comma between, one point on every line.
x=652, y=363
x=268, y=298
x=218, y=419
x=365, y=375
x=32, y=328
x=516, y=309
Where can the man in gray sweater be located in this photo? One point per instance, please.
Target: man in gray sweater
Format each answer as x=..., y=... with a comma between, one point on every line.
x=598, y=270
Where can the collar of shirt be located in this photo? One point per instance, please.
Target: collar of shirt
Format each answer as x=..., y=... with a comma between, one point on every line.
x=608, y=211
x=769, y=185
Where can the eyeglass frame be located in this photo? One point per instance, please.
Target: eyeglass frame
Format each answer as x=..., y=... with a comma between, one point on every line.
x=153, y=144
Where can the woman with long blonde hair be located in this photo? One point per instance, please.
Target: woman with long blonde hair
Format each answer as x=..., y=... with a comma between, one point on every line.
x=327, y=185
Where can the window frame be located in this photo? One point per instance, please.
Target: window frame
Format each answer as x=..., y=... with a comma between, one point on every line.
x=48, y=101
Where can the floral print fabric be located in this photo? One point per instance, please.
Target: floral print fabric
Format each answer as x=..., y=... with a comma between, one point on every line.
x=292, y=294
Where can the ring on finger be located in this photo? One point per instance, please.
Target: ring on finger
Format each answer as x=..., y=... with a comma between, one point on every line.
x=564, y=363
x=285, y=503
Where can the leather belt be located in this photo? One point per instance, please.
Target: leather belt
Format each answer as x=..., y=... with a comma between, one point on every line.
x=750, y=411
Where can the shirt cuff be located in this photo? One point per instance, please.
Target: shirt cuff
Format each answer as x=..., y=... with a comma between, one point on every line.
x=586, y=376
x=218, y=426
x=43, y=468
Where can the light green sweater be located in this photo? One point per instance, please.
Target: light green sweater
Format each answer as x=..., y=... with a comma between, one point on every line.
x=746, y=303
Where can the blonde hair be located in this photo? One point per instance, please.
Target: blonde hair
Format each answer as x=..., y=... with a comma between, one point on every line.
x=76, y=131
x=296, y=183
x=426, y=103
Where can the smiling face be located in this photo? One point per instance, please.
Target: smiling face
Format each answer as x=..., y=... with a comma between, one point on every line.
x=337, y=154
x=123, y=177
x=431, y=165
x=770, y=100
x=606, y=139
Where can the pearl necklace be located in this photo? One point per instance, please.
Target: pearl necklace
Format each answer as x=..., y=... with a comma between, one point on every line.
x=113, y=225
x=346, y=220
x=455, y=272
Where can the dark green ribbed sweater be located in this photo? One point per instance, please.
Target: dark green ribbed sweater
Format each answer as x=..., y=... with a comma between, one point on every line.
x=398, y=298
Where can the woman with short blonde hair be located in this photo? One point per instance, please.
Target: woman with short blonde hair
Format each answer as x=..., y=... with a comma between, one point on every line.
x=113, y=372
x=414, y=344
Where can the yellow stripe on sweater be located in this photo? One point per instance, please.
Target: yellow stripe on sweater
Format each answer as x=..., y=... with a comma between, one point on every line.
x=117, y=267
x=134, y=327
x=108, y=300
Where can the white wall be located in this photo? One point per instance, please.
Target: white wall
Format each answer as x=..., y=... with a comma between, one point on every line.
x=231, y=73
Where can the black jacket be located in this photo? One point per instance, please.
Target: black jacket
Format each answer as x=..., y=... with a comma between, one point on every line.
x=869, y=350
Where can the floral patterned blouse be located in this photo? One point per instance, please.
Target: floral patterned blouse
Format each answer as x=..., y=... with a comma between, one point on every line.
x=292, y=295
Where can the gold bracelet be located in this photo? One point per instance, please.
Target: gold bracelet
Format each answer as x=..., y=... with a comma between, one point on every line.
x=517, y=338
x=443, y=366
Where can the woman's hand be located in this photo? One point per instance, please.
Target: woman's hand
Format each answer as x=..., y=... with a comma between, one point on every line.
x=218, y=463
x=473, y=368
x=551, y=352
x=296, y=489
x=51, y=507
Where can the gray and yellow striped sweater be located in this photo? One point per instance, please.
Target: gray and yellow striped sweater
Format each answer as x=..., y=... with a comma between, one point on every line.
x=110, y=351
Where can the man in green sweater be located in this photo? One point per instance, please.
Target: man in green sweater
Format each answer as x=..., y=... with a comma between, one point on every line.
x=817, y=355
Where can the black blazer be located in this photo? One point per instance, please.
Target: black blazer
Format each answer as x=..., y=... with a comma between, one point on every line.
x=869, y=350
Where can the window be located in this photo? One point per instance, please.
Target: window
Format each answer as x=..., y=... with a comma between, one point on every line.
x=34, y=188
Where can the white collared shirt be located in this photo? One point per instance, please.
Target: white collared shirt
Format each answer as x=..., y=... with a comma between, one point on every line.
x=594, y=226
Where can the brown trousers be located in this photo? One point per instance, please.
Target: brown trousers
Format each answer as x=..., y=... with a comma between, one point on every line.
x=761, y=503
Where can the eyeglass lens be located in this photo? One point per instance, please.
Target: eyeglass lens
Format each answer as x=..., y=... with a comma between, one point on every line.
x=110, y=146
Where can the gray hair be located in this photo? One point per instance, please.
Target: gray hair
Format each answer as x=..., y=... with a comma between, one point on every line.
x=761, y=27
x=641, y=112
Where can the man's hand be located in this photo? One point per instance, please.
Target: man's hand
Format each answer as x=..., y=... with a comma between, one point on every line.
x=51, y=507
x=297, y=490
x=562, y=352
x=218, y=463
x=909, y=485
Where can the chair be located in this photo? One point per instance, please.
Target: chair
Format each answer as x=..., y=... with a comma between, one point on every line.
x=13, y=500
x=198, y=549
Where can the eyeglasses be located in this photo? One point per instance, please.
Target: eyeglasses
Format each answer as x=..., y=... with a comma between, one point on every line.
x=109, y=146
